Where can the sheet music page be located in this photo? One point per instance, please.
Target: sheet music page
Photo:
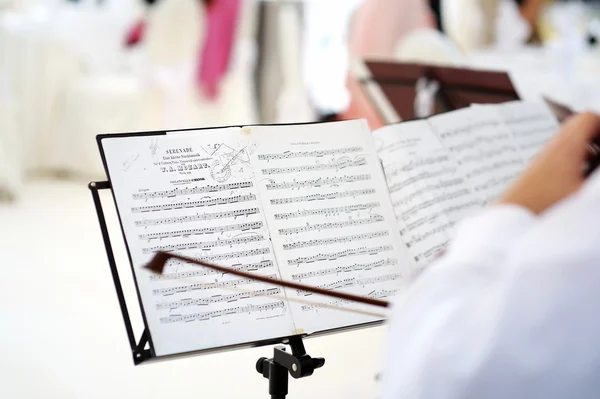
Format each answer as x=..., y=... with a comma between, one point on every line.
x=331, y=219
x=427, y=189
x=531, y=123
x=483, y=147
x=195, y=194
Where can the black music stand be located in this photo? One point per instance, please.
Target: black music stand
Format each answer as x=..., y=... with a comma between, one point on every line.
x=297, y=363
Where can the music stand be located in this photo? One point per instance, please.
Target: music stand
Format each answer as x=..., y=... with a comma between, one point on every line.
x=298, y=363
x=391, y=87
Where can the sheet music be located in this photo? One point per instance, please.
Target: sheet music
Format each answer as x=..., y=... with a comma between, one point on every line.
x=483, y=147
x=330, y=216
x=427, y=189
x=531, y=123
x=195, y=194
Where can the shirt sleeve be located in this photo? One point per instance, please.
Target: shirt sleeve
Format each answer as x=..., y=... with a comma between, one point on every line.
x=509, y=311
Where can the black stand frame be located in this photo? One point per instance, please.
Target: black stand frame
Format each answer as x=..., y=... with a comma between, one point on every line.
x=298, y=363
x=138, y=348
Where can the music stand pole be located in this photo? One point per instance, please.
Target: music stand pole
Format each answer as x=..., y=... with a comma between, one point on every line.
x=298, y=364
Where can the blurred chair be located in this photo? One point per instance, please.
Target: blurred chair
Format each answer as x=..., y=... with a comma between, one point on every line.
x=470, y=23
x=35, y=63
x=156, y=94
x=293, y=104
x=11, y=162
x=428, y=46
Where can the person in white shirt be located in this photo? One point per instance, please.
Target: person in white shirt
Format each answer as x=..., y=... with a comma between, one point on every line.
x=512, y=308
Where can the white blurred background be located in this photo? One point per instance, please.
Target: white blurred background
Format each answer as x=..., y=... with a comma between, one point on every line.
x=70, y=70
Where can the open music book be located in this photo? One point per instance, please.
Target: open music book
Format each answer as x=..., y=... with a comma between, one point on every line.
x=332, y=205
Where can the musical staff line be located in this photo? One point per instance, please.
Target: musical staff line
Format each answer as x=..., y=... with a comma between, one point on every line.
x=204, y=245
x=337, y=255
x=477, y=142
x=469, y=129
x=194, y=204
x=333, y=225
x=198, y=217
x=222, y=312
x=231, y=255
x=417, y=238
x=352, y=282
x=309, y=154
x=217, y=299
x=207, y=286
x=421, y=176
x=495, y=166
x=417, y=163
x=545, y=129
x=345, y=269
x=410, y=212
x=442, y=184
x=427, y=254
x=202, y=231
x=192, y=190
x=322, y=197
x=334, y=240
x=318, y=182
x=341, y=164
x=326, y=211
x=337, y=303
x=250, y=267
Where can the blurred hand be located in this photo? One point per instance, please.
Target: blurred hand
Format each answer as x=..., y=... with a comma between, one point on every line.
x=557, y=171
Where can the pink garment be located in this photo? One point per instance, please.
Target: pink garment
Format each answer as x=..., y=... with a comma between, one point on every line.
x=222, y=17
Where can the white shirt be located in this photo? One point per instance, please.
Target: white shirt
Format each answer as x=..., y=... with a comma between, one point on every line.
x=511, y=311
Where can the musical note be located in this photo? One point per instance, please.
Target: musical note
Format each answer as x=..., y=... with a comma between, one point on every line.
x=309, y=154
x=334, y=240
x=321, y=197
x=318, y=182
x=198, y=217
x=192, y=190
x=333, y=225
x=194, y=204
x=345, y=269
x=341, y=254
x=343, y=164
x=250, y=267
x=217, y=299
x=202, y=231
x=327, y=211
x=206, y=286
x=222, y=312
x=204, y=245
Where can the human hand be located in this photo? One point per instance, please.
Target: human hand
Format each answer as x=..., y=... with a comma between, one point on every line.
x=558, y=170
